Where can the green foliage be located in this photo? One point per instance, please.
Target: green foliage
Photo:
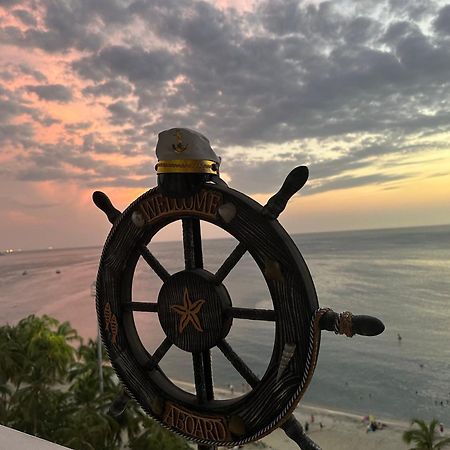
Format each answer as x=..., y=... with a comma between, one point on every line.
x=425, y=437
x=49, y=387
x=154, y=436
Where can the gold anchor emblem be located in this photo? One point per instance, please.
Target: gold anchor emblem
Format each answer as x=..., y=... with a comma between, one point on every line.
x=179, y=147
x=188, y=312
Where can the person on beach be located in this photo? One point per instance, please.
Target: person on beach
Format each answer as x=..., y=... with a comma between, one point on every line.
x=372, y=426
x=312, y=418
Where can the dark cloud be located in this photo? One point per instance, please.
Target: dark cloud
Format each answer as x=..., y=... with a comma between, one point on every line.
x=52, y=92
x=442, y=22
x=96, y=143
x=36, y=74
x=25, y=16
x=13, y=107
x=361, y=30
x=134, y=63
x=6, y=75
x=123, y=113
x=67, y=25
x=10, y=108
x=74, y=127
x=67, y=162
x=8, y=3
x=51, y=41
x=12, y=71
x=112, y=88
x=18, y=135
x=45, y=120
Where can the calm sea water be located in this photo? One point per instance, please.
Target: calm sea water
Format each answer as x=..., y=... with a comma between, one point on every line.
x=401, y=276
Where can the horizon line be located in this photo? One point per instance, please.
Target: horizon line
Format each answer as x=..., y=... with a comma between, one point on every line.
x=356, y=230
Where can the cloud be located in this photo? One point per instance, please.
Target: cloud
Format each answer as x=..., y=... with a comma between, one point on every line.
x=136, y=64
x=51, y=92
x=36, y=74
x=25, y=16
x=14, y=71
x=345, y=82
x=306, y=79
x=75, y=127
x=66, y=25
x=17, y=134
x=10, y=108
x=16, y=202
x=111, y=88
x=8, y=3
x=442, y=21
x=68, y=162
x=346, y=182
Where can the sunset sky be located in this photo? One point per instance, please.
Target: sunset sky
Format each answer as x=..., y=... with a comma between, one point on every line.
x=357, y=91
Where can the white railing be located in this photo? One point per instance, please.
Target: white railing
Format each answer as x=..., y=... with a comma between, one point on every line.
x=15, y=440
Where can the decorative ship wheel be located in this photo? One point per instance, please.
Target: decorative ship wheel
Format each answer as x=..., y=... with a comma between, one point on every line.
x=195, y=309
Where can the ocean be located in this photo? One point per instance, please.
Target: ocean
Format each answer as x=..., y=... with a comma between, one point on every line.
x=401, y=276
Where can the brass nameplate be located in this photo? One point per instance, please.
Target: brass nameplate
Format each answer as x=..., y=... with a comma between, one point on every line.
x=202, y=427
x=205, y=203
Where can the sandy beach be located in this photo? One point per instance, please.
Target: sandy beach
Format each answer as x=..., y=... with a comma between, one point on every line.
x=341, y=431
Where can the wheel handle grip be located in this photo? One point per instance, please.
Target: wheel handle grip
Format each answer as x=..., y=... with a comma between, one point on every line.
x=294, y=431
x=103, y=202
x=292, y=184
x=348, y=324
x=119, y=405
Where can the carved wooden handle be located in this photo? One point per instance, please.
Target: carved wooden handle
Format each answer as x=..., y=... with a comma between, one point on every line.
x=103, y=202
x=293, y=183
x=348, y=324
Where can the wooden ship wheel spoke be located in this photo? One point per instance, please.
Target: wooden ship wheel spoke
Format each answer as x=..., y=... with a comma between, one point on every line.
x=195, y=310
x=229, y=263
x=238, y=364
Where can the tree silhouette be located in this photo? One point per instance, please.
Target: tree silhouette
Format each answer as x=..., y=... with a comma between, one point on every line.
x=49, y=387
x=425, y=436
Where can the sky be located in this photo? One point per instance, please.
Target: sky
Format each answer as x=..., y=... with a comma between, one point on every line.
x=359, y=91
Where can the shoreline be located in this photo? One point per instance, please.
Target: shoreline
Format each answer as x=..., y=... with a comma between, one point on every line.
x=340, y=430
x=99, y=246
x=331, y=428
x=305, y=408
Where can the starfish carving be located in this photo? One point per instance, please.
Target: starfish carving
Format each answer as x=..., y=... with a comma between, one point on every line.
x=188, y=312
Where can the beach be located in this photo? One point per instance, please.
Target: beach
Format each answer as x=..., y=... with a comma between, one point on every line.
x=341, y=431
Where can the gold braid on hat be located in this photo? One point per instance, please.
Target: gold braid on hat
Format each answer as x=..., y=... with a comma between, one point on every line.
x=188, y=166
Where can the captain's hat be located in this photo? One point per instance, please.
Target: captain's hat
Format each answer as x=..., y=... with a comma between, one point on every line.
x=180, y=150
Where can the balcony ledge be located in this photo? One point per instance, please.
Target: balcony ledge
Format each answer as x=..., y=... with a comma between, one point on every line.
x=16, y=440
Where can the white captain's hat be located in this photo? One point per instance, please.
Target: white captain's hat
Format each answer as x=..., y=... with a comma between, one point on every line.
x=181, y=150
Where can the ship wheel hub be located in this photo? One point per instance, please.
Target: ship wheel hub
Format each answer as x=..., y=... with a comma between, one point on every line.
x=192, y=310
